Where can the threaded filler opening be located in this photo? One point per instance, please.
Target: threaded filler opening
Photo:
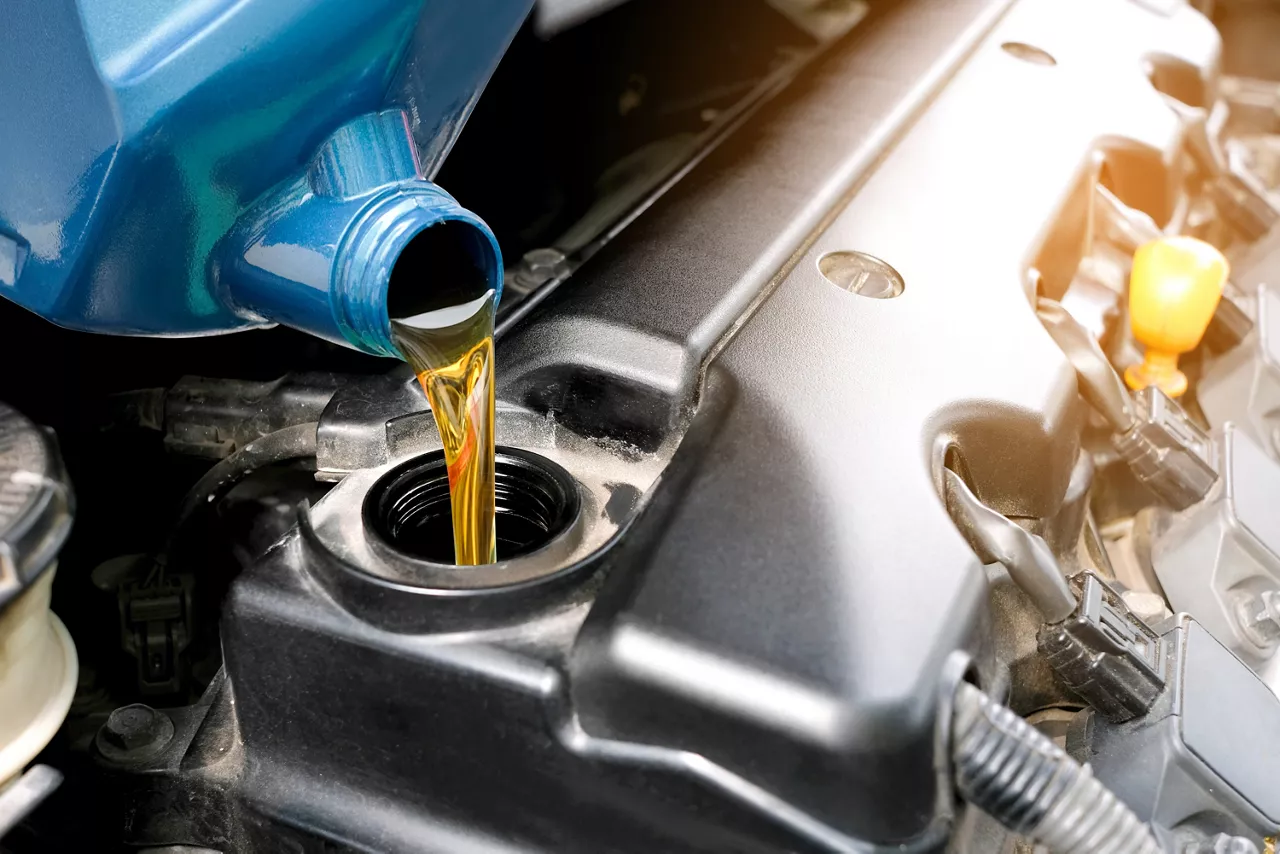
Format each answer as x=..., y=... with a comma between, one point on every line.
x=410, y=250
x=409, y=509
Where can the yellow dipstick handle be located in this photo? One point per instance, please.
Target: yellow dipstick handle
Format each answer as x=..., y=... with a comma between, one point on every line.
x=1173, y=290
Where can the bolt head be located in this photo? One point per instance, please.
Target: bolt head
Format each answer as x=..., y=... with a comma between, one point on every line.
x=1223, y=843
x=540, y=265
x=136, y=727
x=1259, y=618
x=544, y=259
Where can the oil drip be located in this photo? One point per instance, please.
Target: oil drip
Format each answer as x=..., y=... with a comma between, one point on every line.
x=451, y=351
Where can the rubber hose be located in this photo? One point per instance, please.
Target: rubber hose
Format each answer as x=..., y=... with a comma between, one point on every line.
x=291, y=443
x=1016, y=774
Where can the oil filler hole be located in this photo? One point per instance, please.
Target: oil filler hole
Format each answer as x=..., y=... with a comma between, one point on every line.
x=409, y=509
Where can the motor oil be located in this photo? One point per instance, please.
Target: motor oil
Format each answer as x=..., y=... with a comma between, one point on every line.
x=451, y=351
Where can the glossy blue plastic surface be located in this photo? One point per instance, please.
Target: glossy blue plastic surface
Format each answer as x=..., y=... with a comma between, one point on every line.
x=317, y=255
x=135, y=134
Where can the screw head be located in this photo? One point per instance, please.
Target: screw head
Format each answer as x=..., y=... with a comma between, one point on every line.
x=135, y=729
x=1259, y=617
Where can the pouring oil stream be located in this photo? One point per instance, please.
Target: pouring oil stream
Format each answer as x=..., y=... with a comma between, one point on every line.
x=451, y=351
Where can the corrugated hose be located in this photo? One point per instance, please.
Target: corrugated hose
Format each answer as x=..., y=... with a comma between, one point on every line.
x=1016, y=774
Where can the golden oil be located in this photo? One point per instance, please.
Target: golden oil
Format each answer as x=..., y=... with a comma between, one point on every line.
x=451, y=350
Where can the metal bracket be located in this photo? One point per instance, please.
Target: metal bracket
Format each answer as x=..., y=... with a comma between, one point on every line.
x=25, y=794
x=996, y=539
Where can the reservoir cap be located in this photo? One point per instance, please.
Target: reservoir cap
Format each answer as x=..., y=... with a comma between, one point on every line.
x=35, y=503
x=1173, y=290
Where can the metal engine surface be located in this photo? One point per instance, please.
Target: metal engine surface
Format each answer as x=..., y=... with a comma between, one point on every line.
x=751, y=649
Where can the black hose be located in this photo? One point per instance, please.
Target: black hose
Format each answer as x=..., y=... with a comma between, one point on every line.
x=1016, y=774
x=291, y=443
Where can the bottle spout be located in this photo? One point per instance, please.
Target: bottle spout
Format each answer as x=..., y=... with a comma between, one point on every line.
x=358, y=240
x=416, y=251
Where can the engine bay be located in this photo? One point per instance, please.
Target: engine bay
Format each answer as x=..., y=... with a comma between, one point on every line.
x=888, y=458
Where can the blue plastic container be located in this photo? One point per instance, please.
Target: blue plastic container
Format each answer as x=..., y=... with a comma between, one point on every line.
x=188, y=167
